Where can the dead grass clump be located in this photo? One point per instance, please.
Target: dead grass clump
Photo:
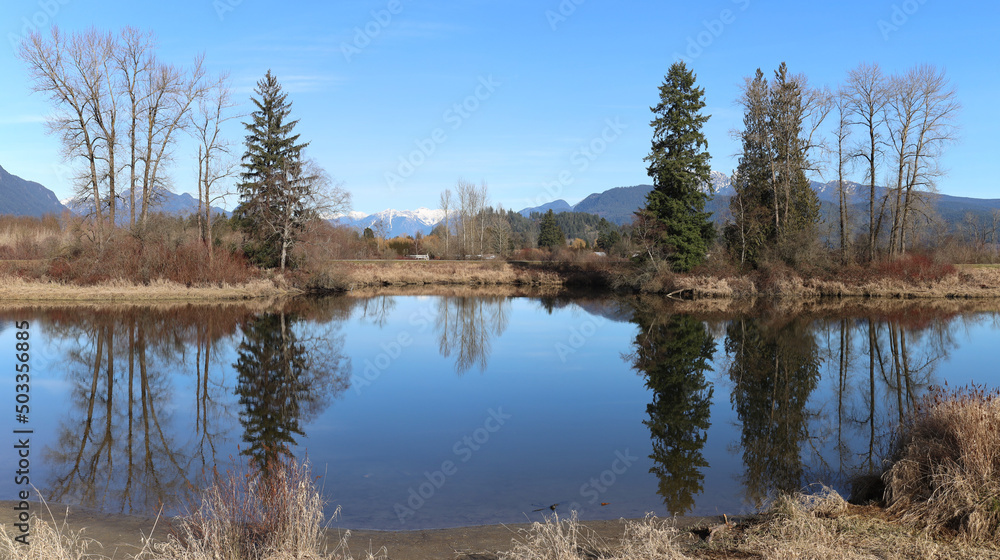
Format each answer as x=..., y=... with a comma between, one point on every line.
x=649, y=539
x=261, y=514
x=48, y=541
x=946, y=478
x=823, y=525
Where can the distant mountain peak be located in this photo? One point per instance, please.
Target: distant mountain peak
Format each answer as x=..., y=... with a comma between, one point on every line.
x=21, y=197
x=396, y=222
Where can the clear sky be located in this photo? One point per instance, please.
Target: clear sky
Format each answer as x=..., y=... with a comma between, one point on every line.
x=534, y=97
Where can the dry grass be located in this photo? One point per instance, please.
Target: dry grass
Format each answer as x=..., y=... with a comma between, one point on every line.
x=48, y=541
x=243, y=516
x=353, y=275
x=14, y=288
x=947, y=476
x=816, y=526
x=823, y=525
x=554, y=539
x=254, y=516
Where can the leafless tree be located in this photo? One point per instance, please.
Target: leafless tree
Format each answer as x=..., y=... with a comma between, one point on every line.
x=309, y=194
x=469, y=204
x=60, y=68
x=111, y=96
x=446, y=206
x=841, y=136
x=933, y=127
x=500, y=232
x=215, y=160
x=866, y=99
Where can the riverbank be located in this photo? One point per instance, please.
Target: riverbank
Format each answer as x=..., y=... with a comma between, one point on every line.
x=965, y=282
x=16, y=289
x=821, y=526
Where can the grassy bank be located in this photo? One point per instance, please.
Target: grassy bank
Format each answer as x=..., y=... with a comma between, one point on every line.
x=344, y=276
x=13, y=288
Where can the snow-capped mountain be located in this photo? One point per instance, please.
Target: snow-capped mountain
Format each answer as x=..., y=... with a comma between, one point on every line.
x=395, y=222
x=721, y=184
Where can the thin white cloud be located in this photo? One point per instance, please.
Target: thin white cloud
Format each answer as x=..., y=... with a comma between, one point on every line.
x=25, y=119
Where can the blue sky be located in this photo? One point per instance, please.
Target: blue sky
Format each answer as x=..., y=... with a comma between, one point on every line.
x=535, y=98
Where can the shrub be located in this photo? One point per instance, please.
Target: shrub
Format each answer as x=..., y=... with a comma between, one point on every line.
x=946, y=476
x=914, y=267
x=272, y=512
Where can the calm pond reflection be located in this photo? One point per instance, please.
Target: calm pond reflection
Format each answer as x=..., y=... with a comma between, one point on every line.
x=463, y=408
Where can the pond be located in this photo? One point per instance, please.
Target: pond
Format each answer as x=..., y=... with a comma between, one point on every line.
x=430, y=411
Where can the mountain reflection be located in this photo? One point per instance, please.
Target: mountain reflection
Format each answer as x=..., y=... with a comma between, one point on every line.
x=673, y=351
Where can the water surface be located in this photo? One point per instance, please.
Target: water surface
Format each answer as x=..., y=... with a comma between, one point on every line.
x=450, y=410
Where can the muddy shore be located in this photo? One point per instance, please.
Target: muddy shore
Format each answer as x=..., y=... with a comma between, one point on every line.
x=121, y=536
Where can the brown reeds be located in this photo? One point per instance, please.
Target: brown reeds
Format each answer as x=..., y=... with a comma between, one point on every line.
x=946, y=477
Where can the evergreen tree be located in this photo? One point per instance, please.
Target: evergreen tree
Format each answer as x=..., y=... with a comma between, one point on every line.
x=550, y=234
x=679, y=166
x=273, y=187
x=774, y=206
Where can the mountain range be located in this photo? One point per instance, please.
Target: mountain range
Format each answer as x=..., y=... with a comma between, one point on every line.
x=28, y=198
x=168, y=202
x=394, y=222
x=21, y=197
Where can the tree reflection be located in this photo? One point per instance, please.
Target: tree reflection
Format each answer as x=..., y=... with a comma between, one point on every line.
x=118, y=446
x=467, y=325
x=674, y=351
x=150, y=402
x=285, y=378
x=774, y=368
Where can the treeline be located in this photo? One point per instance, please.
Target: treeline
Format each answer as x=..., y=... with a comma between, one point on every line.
x=878, y=128
x=121, y=113
x=892, y=129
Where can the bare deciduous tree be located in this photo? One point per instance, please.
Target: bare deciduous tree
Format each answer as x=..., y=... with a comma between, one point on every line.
x=446, y=206
x=112, y=95
x=215, y=160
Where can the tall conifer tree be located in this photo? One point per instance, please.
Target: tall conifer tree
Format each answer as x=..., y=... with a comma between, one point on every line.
x=679, y=166
x=272, y=176
x=550, y=234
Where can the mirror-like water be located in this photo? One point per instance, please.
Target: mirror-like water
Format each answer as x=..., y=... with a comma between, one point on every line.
x=437, y=411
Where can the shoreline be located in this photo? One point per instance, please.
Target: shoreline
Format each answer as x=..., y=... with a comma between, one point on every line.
x=969, y=282
x=124, y=533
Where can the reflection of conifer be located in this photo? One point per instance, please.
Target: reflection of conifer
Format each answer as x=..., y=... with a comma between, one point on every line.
x=774, y=370
x=272, y=387
x=674, y=353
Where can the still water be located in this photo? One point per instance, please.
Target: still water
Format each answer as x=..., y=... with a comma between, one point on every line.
x=452, y=410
